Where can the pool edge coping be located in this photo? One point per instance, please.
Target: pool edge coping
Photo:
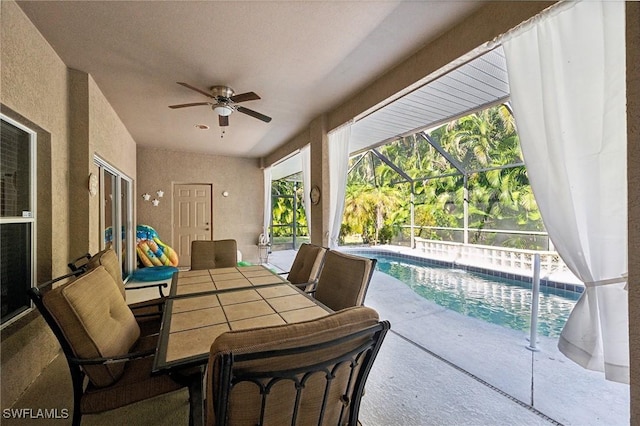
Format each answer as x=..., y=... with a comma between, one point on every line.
x=546, y=282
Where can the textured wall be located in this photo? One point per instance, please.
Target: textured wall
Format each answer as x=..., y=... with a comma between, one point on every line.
x=78, y=154
x=34, y=86
x=238, y=216
x=95, y=128
x=73, y=120
x=109, y=139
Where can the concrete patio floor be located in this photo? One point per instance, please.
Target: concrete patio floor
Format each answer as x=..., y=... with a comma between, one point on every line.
x=438, y=367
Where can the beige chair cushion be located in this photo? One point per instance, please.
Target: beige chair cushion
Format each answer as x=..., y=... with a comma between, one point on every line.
x=95, y=320
x=245, y=399
x=210, y=254
x=344, y=280
x=109, y=260
x=307, y=264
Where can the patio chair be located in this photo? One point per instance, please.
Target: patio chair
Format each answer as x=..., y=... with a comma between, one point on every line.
x=148, y=313
x=307, y=373
x=102, y=343
x=211, y=254
x=306, y=266
x=86, y=261
x=344, y=280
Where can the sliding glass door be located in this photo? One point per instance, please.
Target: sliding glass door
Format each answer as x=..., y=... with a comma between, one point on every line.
x=116, y=214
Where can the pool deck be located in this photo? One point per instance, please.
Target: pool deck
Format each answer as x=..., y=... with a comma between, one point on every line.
x=438, y=367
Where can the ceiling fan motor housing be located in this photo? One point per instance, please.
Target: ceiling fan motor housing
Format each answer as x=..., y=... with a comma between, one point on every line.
x=222, y=91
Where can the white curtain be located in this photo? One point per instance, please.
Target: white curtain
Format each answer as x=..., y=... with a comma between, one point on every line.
x=567, y=78
x=267, y=203
x=305, y=157
x=338, y=141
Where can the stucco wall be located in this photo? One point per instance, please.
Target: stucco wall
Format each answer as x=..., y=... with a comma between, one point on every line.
x=110, y=140
x=238, y=216
x=34, y=86
x=95, y=130
x=73, y=120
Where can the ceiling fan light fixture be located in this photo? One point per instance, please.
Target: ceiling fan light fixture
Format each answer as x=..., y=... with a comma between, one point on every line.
x=223, y=110
x=224, y=104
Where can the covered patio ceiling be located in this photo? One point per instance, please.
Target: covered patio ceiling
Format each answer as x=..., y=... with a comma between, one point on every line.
x=475, y=85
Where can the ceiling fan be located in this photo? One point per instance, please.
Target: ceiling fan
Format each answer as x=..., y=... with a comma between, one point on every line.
x=224, y=103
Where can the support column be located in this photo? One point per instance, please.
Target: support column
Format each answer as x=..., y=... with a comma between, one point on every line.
x=320, y=178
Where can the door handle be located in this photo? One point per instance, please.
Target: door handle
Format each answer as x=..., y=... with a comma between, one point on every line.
x=206, y=229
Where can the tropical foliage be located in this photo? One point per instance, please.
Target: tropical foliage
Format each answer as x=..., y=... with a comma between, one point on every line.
x=287, y=209
x=475, y=158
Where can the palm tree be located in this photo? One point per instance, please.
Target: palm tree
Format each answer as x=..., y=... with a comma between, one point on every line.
x=485, y=143
x=368, y=210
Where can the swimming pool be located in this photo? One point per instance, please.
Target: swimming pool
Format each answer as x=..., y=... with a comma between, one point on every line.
x=489, y=298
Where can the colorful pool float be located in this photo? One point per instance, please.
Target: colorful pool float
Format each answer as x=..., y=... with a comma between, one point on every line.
x=151, y=250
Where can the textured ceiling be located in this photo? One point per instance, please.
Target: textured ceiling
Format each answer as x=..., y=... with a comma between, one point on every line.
x=302, y=57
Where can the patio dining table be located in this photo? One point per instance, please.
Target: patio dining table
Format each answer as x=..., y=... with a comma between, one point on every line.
x=204, y=304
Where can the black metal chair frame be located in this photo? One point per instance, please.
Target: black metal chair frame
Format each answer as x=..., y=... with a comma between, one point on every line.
x=365, y=354
x=75, y=364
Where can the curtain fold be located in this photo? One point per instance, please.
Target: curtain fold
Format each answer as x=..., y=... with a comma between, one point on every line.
x=567, y=79
x=305, y=157
x=338, y=141
x=266, y=223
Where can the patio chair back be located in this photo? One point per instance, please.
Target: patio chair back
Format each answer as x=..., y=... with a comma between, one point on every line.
x=306, y=266
x=148, y=313
x=344, y=280
x=308, y=373
x=210, y=254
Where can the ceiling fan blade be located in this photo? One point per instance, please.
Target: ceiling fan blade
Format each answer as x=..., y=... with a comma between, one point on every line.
x=189, y=105
x=223, y=120
x=188, y=86
x=243, y=97
x=253, y=114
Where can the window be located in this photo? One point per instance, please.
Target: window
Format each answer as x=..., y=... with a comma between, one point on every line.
x=17, y=217
x=116, y=212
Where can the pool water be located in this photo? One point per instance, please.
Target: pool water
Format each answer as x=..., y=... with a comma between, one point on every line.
x=492, y=299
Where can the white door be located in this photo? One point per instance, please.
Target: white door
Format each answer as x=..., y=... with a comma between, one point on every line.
x=192, y=218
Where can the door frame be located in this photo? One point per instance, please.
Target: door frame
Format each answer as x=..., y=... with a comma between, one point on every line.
x=119, y=221
x=174, y=187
